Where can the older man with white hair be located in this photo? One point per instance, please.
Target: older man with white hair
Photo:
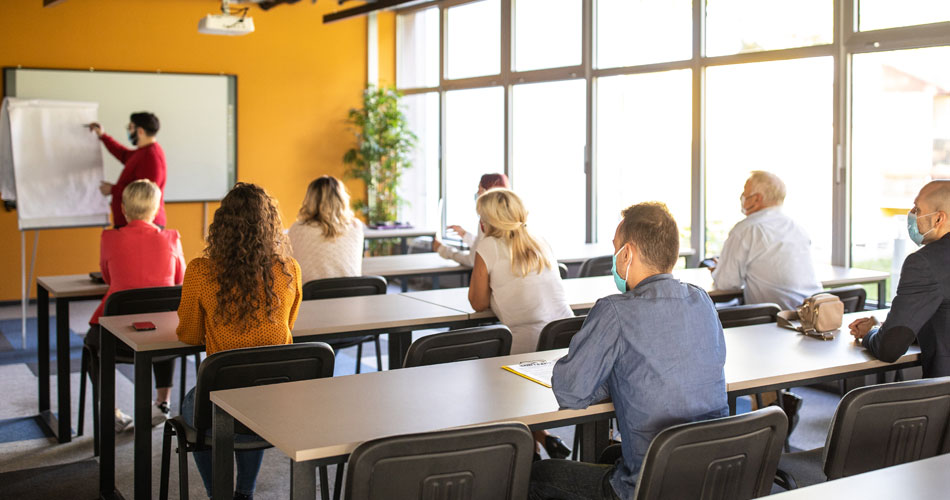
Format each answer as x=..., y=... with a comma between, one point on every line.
x=767, y=254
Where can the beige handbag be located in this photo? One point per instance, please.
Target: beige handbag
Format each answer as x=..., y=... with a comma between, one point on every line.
x=819, y=316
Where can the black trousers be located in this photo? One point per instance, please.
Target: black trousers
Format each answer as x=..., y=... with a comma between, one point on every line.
x=163, y=368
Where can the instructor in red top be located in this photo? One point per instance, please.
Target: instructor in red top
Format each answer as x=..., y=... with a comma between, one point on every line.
x=147, y=161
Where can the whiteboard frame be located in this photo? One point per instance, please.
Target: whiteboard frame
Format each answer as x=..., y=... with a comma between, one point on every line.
x=9, y=90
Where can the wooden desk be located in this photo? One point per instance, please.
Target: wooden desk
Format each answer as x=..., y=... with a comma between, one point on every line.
x=402, y=234
x=577, y=254
x=66, y=289
x=479, y=392
x=414, y=264
x=395, y=315
x=921, y=480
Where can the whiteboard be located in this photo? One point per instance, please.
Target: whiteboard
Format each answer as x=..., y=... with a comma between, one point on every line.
x=50, y=165
x=197, y=115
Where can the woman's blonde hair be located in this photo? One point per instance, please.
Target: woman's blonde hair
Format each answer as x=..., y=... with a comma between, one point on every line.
x=505, y=217
x=328, y=205
x=140, y=200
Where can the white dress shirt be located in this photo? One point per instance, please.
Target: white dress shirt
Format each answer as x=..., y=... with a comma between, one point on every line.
x=464, y=257
x=768, y=255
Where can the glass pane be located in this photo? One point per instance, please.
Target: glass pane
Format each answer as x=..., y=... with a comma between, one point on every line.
x=474, y=40
x=417, y=49
x=774, y=116
x=547, y=34
x=737, y=26
x=632, y=32
x=644, y=137
x=548, y=139
x=901, y=140
x=880, y=14
x=474, y=145
x=419, y=184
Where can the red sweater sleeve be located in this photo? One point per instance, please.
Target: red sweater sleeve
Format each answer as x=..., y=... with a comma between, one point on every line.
x=120, y=152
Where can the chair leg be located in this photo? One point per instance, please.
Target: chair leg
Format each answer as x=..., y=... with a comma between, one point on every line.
x=577, y=442
x=166, y=462
x=182, y=379
x=379, y=354
x=359, y=356
x=182, y=468
x=95, y=415
x=338, y=481
x=324, y=483
x=83, y=370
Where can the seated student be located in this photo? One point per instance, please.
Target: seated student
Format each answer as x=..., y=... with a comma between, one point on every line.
x=327, y=239
x=232, y=299
x=467, y=257
x=139, y=255
x=767, y=254
x=657, y=350
x=921, y=308
x=515, y=275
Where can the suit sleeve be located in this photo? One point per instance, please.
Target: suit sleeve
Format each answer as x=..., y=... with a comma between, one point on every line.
x=730, y=271
x=120, y=152
x=191, y=316
x=918, y=297
x=580, y=378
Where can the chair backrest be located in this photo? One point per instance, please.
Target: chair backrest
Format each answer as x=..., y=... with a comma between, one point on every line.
x=562, y=269
x=749, y=314
x=460, y=345
x=852, y=296
x=354, y=286
x=490, y=462
x=889, y=424
x=558, y=333
x=598, y=266
x=255, y=366
x=724, y=458
x=143, y=300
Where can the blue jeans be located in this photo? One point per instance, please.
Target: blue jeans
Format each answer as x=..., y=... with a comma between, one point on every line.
x=248, y=461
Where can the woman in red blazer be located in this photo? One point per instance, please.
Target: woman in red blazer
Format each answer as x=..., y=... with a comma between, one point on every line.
x=140, y=255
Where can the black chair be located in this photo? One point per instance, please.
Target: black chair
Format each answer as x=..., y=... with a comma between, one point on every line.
x=490, y=462
x=333, y=288
x=459, y=345
x=598, y=266
x=135, y=301
x=876, y=427
x=562, y=269
x=725, y=458
x=749, y=314
x=853, y=297
x=558, y=333
x=233, y=369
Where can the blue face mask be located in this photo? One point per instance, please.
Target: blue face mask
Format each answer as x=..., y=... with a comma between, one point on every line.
x=620, y=282
x=133, y=138
x=912, y=229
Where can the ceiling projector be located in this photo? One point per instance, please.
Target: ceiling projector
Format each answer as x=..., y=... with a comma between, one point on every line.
x=226, y=24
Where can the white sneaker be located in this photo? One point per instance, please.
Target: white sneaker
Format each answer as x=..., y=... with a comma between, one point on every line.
x=160, y=413
x=122, y=421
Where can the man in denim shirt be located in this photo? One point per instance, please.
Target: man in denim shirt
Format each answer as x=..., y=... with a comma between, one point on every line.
x=657, y=350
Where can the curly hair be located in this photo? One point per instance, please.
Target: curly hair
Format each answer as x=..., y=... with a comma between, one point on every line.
x=245, y=240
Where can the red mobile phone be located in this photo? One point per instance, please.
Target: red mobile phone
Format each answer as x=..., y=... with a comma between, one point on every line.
x=141, y=326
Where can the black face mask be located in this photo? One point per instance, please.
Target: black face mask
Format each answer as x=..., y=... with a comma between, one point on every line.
x=133, y=138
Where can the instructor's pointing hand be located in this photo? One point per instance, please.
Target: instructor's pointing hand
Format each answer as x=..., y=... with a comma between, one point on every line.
x=95, y=127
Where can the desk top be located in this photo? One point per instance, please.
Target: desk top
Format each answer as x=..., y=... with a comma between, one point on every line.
x=922, y=480
x=410, y=264
x=72, y=285
x=396, y=233
x=477, y=392
x=578, y=253
x=316, y=317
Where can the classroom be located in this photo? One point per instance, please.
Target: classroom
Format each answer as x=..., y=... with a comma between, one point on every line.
x=474, y=249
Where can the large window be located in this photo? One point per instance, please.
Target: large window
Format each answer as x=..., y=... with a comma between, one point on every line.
x=645, y=103
x=420, y=184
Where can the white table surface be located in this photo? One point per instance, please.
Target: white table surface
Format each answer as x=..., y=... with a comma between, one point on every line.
x=428, y=398
x=72, y=285
x=397, y=233
x=410, y=264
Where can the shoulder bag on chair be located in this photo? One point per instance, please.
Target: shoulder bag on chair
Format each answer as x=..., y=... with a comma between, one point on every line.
x=819, y=316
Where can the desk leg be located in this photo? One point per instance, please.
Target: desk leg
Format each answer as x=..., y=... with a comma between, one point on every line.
x=732, y=404
x=404, y=245
x=303, y=480
x=42, y=357
x=398, y=347
x=404, y=283
x=882, y=294
x=222, y=454
x=595, y=436
x=143, y=426
x=106, y=414
x=62, y=370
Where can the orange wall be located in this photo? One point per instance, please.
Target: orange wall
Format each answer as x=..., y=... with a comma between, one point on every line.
x=296, y=80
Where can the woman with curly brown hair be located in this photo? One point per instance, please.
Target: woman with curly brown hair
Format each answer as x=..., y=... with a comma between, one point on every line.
x=244, y=292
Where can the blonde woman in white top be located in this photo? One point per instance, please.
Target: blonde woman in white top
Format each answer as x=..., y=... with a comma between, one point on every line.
x=516, y=275
x=327, y=239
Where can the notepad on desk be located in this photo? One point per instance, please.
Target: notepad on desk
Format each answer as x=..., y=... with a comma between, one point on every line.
x=539, y=371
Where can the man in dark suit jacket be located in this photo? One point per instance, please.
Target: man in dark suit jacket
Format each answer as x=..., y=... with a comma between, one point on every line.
x=921, y=308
